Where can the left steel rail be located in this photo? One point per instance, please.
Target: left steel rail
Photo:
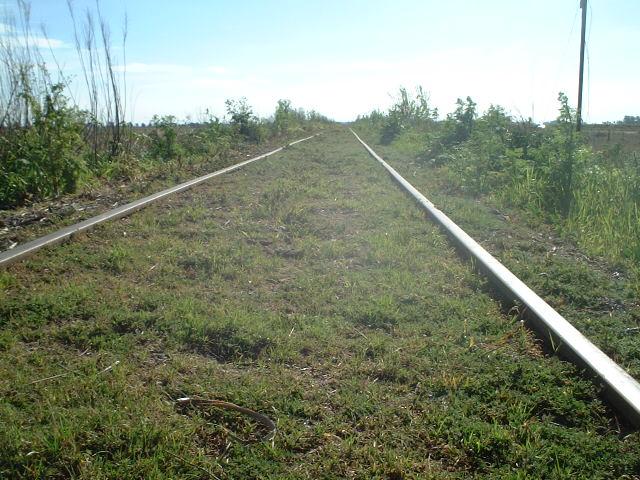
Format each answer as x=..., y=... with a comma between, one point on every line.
x=22, y=251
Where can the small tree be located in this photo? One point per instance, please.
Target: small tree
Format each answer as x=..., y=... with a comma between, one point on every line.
x=284, y=117
x=164, y=138
x=241, y=115
x=244, y=121
x=405, y=112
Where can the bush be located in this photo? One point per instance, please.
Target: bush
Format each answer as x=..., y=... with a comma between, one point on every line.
x=164, y=138
x=549, y=171
x=41, y=159
x=209, y=138
x=407, y=111
x=244, y=121
x=288, y=120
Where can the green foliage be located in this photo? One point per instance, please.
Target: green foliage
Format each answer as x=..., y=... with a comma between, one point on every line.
x=549, y=171
x=463, y=119
x=556, y=160
x=244, y=121
x=210, y=137
x=484, y=154
x=164, y=143
x=41, y=159
x=630, y=120
x=407, y=111
x=606, y=207
x=456, y=129
x=286, y=119
x=48, y=153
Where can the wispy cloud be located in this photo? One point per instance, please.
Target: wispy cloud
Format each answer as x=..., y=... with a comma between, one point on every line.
x=43, y=42
x=217, y=70
x=155, y=68
x=170, y=68
x=9, y=34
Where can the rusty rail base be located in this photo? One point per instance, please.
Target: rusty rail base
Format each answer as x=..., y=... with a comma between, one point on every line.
x=22, y=251
x=621, y=388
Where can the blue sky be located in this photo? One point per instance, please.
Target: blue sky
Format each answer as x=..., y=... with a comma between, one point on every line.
x=344, y=58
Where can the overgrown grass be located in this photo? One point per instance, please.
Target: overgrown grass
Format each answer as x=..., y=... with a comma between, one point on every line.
x=307, y=287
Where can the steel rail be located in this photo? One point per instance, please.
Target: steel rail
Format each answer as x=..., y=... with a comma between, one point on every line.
x=21, y=251
x=620, y=387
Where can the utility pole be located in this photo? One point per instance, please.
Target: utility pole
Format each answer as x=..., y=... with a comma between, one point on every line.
x=583, y=6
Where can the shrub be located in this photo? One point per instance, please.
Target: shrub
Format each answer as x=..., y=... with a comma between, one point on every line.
x=43, y=158
x=407, y=111
x=244, y=121
x=549, y=171
x=164, y=143
x=288, y=120
x=209, y=138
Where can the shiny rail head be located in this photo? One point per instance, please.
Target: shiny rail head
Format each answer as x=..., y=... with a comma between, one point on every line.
x=620, y=387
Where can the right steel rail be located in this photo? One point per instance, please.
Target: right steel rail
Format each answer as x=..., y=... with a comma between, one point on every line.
x=621, y=388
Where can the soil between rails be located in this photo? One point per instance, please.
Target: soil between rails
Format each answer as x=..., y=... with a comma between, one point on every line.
x=309, y=288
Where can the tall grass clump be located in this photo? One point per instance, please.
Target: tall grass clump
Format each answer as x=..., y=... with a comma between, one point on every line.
x=606, y=212
x=104, y=85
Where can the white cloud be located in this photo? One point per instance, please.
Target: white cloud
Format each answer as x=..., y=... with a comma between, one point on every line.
x=217, y=70
x=155, y=68
x=525, y=83
x=43, y=42
x=9, y=34
x=170, y=68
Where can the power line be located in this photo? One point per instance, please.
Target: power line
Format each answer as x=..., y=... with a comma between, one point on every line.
x=565, y=50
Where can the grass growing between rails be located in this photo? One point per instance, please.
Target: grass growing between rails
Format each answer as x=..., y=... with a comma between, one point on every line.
x=306, y=287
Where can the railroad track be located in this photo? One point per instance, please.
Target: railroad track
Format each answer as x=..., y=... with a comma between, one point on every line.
x=22, y=251
x=622, y=389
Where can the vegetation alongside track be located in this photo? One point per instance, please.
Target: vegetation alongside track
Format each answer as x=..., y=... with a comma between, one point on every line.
x=50, y=156
x=50, y=146
x=594, y=295
x=598, y=291
x=306, y=287
x=591, y=197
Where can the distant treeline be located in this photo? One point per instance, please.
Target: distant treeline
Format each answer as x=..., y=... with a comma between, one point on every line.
x=630, y=120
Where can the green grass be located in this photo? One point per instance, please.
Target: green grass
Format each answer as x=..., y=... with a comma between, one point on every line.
x=599, y=297
x=309, y=288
